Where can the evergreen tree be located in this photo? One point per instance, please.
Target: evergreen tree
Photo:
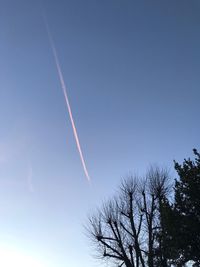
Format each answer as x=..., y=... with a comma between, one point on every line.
x=186, y=211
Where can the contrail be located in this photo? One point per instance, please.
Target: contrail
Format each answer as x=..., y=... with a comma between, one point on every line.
x=64, y=89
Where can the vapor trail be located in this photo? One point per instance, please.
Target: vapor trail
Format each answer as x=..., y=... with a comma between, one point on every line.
x=64, y=89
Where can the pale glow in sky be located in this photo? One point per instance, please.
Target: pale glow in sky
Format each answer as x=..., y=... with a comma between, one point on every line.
x=12, y=257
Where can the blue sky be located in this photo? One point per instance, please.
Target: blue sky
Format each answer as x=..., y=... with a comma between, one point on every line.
x=132, y=72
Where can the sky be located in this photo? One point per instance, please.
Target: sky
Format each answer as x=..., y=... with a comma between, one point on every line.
x=132, y=74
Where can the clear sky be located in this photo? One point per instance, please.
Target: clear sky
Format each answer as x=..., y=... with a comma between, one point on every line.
x=132, y=72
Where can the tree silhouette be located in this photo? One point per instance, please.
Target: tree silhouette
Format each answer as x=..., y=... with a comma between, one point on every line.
x=186, y=211
x=127, y=229
x=141, y=227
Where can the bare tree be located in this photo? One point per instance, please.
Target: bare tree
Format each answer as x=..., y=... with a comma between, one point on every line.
x=160, y=187
x=125, y=229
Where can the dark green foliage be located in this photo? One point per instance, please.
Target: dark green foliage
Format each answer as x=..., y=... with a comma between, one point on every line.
x=167, y=253
x=179, y=234
x=186, y=212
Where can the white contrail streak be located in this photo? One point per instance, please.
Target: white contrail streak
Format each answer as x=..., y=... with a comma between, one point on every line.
x=64, y=89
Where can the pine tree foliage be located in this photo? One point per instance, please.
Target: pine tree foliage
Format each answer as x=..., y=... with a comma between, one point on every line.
x=187, y=209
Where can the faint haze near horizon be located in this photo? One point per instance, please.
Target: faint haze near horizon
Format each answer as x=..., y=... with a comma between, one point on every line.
x=132, y=69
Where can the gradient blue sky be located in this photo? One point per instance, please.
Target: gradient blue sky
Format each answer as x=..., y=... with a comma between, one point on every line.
x=132, y=71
